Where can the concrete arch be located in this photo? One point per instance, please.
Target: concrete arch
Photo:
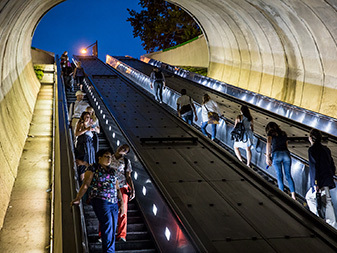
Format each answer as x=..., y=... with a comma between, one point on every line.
x=19, y=85
x=279, y=48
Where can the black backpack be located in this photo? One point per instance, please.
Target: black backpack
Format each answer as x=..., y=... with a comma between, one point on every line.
x=158, y=75
x=238, y=132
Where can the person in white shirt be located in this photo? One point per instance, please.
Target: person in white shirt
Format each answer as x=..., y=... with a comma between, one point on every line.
x=186, y=108
x=76, y=109
x=208, y=105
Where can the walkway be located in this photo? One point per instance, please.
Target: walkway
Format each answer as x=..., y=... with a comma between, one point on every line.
x=27, y=222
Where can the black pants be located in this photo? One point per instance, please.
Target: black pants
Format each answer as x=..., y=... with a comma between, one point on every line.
x=158, y=90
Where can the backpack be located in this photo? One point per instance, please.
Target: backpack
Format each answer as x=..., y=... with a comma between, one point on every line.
x=238, y=132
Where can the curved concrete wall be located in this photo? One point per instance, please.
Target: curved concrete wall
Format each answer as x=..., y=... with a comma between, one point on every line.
x=279, y=48
x=19, y=85
x=193, y=54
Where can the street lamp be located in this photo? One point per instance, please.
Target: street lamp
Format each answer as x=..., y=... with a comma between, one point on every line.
x=94, y=49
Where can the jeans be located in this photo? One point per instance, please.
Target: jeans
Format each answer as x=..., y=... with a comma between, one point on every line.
x=203, y=129
x=188, y=117
x=279, y=158
x=158, y=90
x=330, y=217
x=107, y=214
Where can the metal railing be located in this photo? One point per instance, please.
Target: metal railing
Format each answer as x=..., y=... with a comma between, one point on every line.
x=304, y=116
x=69, y=234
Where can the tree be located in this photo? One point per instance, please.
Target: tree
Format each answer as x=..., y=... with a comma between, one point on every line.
x=161, y=25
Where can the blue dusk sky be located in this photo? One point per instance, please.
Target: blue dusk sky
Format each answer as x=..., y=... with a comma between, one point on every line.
x=75, y=24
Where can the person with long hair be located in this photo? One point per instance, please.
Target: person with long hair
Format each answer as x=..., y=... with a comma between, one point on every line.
x=104, y=197
x=278, y=155
x=123, y=169
x=247, y=120
x=208, y=105
x=95, y=126
x=85, y=151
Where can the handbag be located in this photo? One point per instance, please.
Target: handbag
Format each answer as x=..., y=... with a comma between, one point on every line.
x=213, y=117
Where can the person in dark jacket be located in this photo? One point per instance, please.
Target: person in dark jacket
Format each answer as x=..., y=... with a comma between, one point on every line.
x=158, y=83
x=321, y=170
x=278, y=155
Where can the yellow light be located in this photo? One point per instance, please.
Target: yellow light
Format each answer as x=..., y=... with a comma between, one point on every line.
x=83, y=51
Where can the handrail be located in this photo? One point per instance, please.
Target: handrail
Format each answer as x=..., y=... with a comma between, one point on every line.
x=69, y=233
x=303, y=116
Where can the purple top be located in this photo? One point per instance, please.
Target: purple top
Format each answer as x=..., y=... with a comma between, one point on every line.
x=103, y=183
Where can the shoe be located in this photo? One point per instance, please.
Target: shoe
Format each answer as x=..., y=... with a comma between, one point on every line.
x=122, y=239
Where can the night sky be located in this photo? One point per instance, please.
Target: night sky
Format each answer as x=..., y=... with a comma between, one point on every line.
x=75, y=24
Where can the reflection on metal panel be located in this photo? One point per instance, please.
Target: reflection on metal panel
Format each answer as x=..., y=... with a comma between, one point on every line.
x=324, y=123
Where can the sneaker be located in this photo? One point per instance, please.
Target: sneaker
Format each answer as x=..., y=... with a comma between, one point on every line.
x=122, y=239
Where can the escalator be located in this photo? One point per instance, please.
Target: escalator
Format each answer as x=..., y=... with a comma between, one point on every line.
x=138, y=239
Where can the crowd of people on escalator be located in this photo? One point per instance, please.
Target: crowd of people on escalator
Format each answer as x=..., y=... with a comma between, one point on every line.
x=108, y=173
x=104, y=175
x=321, y=165
x=71, y=73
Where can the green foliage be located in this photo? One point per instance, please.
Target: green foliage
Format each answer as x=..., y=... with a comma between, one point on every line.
x=162, y=25
x=200, y=71
x=39, y=72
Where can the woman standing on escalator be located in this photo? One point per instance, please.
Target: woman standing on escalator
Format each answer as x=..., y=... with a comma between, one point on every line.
x=278, y=155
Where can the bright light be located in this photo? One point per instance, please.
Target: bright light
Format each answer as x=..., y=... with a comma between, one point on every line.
x=83, y=51
x=154, y=209
x=106, y=122
x=113, y=135
x=167, y=234
x=118, y=142
x=135, y=175
x=144, y=190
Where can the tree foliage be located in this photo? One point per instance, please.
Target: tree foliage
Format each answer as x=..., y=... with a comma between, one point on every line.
x=161, y=25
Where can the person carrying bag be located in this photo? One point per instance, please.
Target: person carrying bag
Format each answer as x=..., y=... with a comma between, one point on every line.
x=210, y=115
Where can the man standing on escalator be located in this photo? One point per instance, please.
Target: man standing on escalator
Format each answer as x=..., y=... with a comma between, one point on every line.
x=321, y=169
x=158, y=83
